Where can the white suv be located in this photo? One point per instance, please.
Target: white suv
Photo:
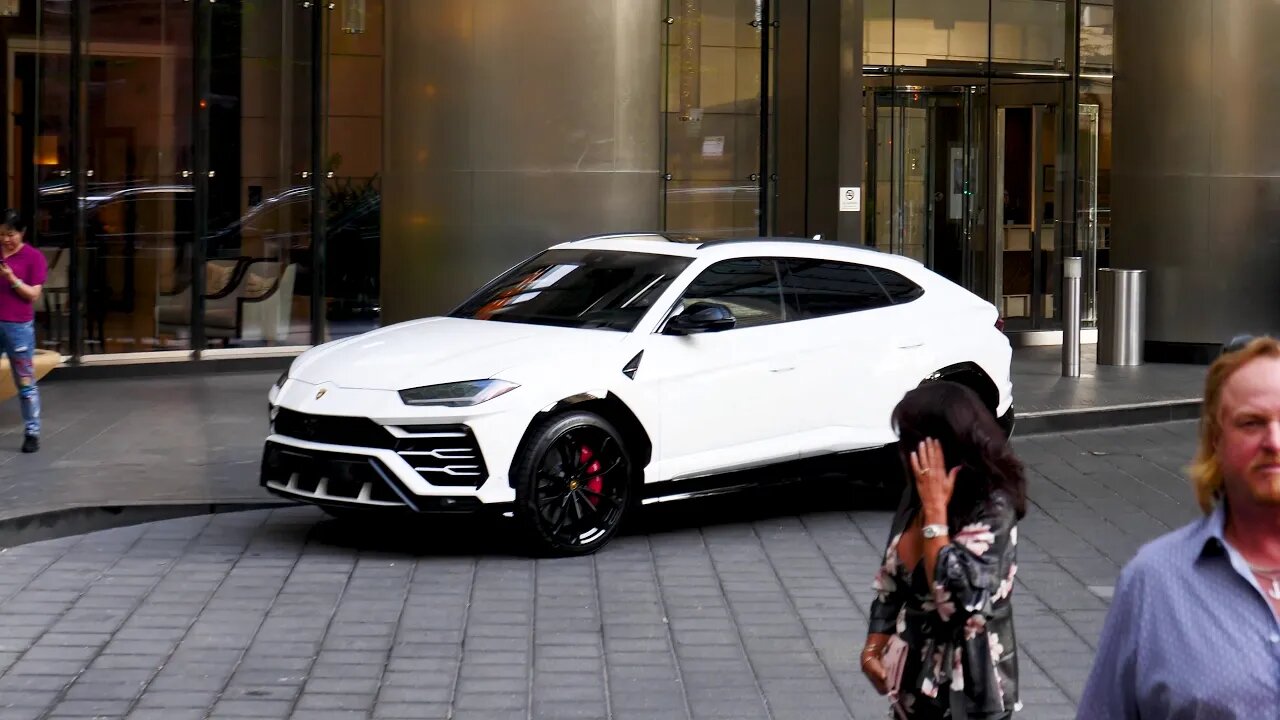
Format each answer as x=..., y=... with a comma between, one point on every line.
x=613, y=371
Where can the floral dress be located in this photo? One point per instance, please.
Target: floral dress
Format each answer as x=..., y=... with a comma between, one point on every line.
x=951, y=654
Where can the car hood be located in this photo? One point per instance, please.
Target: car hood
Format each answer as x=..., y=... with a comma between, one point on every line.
x=441, y=349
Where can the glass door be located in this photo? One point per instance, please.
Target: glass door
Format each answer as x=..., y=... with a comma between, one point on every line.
x=719, y=170
x=925, y=170
x=1087, y=212
x=139, y=210
x=40, y=163
x=1029, y=261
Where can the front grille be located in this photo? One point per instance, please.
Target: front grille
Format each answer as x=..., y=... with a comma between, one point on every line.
x=444, y=455
x=328, y=477
x=332, y=429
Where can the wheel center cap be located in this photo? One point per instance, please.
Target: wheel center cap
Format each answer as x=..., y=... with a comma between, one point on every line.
x=573, y=484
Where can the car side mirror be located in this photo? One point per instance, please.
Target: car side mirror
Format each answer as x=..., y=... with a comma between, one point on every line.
x=701, y=317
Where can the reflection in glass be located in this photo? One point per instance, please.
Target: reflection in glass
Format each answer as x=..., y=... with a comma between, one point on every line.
x=259, y=251
x=40, y=175
x=1097, y=36
x=970, y=33
x=712, y=118
x=1094, y=163
x=1029, y=32
x=138, y=211
x=1087, y=209
x=877, y=32
x=926, y=197
x=590, y=289
x=939, y=32
x=353, y=192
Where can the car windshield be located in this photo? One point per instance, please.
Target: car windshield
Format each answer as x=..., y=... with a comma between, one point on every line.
x=601, y=289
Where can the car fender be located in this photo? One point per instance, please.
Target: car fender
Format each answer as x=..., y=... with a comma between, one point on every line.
x=581, y=396
x=562, y=388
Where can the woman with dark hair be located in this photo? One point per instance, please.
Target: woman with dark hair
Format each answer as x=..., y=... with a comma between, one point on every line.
x=22, y=270
x=940, y=641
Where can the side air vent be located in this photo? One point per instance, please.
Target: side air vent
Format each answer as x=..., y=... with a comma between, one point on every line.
x=445, y=455
x=632, y=366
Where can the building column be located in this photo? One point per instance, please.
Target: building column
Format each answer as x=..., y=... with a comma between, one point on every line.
x=852, y=142
x=1196, y=182
x=509, y=126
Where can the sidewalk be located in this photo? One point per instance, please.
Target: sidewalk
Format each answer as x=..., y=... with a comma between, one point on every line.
x=747, y=606
x=1103, y=395
x=179, y=442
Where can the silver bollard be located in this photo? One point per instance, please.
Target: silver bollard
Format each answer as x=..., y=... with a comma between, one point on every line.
x=1071, y=317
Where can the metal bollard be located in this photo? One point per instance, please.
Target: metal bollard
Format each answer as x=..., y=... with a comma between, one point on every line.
x=1071, y=317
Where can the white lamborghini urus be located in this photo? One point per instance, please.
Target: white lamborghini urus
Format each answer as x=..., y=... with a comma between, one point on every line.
x=609, y=372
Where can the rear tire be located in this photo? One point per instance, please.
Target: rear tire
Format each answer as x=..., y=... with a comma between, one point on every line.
x=574, y=484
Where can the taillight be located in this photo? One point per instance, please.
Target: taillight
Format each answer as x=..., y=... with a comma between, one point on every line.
x=1000, y=324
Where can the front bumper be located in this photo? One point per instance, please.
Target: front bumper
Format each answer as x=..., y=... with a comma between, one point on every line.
x=421, y=465
x=351, y=480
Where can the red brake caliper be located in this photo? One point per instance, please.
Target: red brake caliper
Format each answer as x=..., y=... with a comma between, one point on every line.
x=594, y=483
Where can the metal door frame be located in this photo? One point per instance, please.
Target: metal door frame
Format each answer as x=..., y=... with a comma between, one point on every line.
x=971, y=130
x=1039, y=98
x=1090, y=129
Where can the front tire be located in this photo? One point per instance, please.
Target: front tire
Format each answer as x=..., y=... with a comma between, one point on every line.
x=574, y=484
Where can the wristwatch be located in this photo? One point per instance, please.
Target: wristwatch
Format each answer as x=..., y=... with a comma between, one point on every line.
x=932, y=531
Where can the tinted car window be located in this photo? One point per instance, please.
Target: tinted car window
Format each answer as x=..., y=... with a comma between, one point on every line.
x=602, y=289
x=817, y=288
x=899, y=288
x=747, y=286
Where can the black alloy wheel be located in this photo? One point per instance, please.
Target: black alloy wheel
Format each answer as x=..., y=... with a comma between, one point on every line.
x=574, y=484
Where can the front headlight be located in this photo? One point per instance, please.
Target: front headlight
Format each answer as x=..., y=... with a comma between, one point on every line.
x=459, y=394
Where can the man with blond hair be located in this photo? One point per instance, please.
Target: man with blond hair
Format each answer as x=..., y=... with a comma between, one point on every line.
x=1194, y=628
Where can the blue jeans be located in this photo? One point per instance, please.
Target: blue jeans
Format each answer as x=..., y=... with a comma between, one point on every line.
x=18, y=342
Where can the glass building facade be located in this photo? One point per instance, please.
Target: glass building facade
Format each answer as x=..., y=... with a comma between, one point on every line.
x=169, y=154
x=989, y=144
x=247, y=176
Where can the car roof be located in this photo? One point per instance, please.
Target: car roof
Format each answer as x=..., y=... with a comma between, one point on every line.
x=718, y=248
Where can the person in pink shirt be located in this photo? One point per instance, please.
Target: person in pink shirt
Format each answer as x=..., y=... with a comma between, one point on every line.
x=22, y=274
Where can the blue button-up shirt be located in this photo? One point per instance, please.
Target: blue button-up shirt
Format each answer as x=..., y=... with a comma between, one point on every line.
x=1189, y=635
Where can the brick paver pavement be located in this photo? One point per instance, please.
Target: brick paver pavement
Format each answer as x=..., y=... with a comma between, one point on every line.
x=747, y=608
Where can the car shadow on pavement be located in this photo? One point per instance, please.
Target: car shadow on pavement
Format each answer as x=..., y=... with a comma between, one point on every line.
x=468, y=536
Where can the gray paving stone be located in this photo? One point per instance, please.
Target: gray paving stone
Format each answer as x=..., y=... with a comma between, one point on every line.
x=244, y=616
x=169, y=713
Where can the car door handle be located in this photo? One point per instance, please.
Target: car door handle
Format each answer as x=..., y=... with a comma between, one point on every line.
x=908, y=343
x=782, y=369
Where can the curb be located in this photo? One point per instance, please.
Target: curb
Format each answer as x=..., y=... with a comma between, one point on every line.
x=65, y=522
x=208, y=366
x=1054, y=421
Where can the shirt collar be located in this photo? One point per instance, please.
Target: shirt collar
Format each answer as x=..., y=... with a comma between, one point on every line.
x=1211, y=535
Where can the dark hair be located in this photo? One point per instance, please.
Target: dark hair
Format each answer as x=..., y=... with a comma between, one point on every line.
x=11, y=218
x=955, y=416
